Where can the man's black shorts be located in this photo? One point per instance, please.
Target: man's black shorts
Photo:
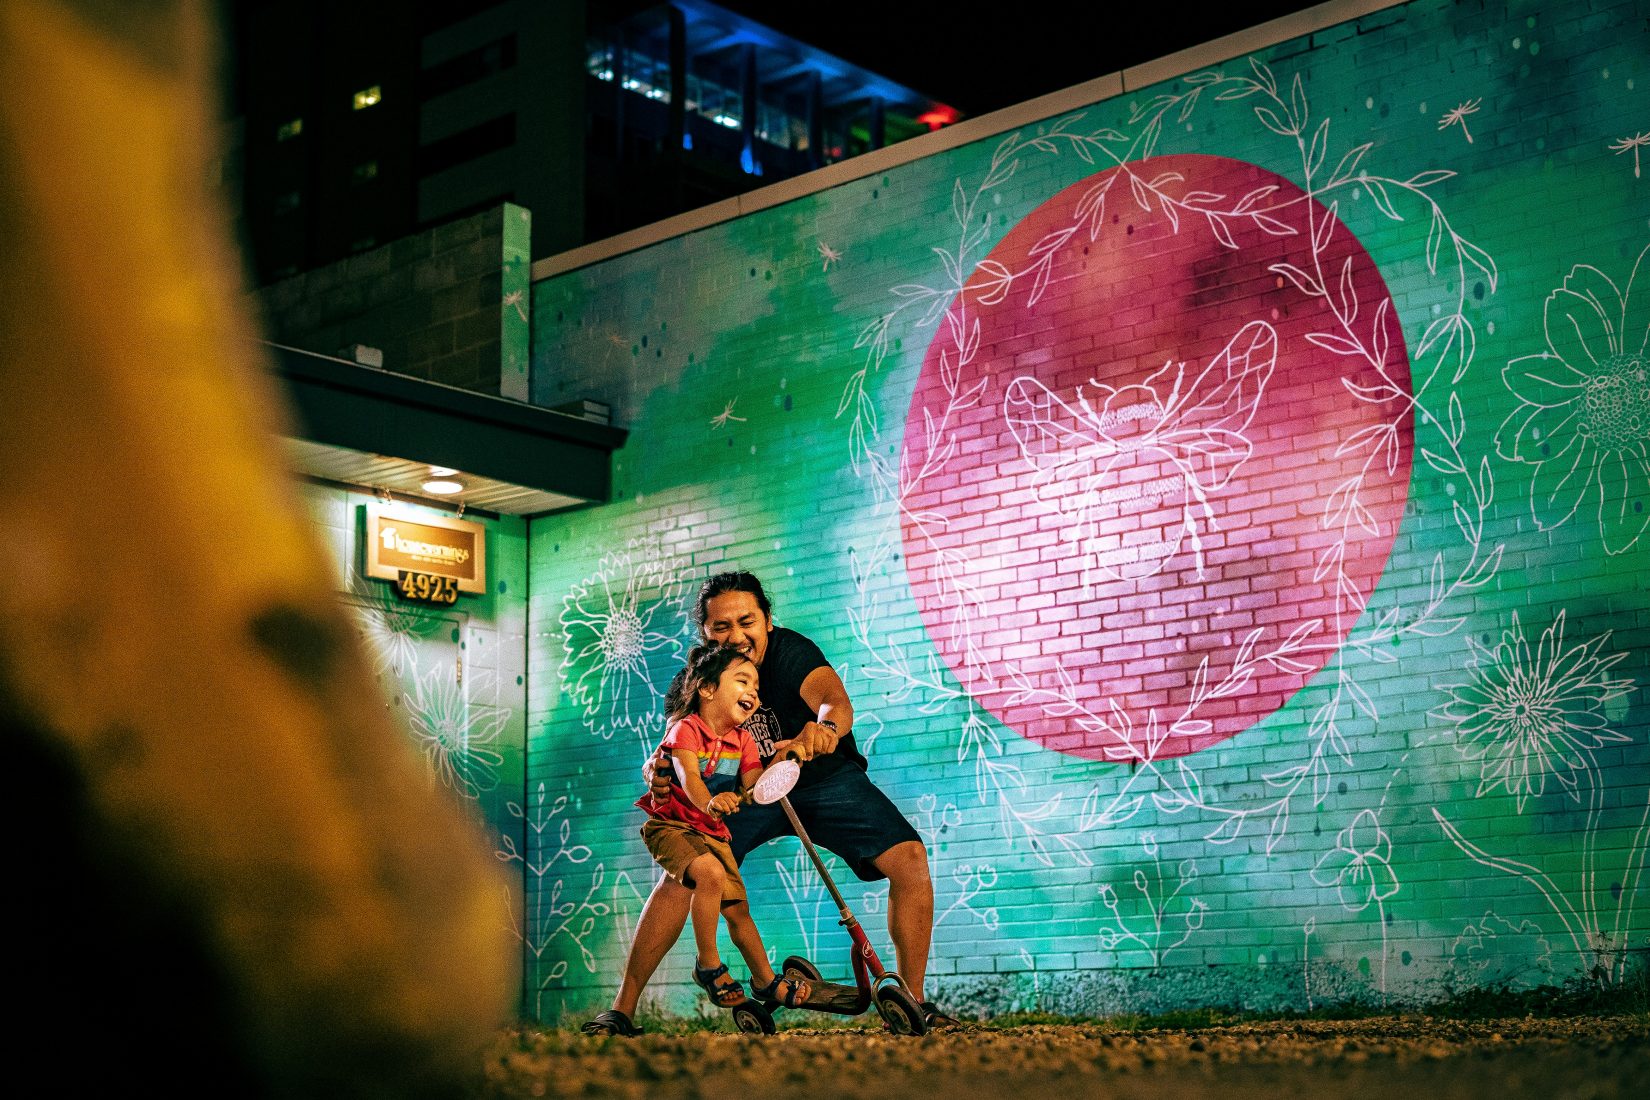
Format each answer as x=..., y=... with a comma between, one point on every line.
x=844, y=813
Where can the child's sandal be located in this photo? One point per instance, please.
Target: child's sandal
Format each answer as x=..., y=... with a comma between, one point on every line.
x=795, y=990
x=722, y=996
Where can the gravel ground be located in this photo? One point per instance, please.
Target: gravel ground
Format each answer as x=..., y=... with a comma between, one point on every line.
x=1402, y=1057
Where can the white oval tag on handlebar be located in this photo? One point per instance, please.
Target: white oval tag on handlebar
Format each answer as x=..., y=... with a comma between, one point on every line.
x=776, y=782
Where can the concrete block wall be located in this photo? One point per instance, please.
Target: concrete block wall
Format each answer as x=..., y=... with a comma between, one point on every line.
x=431, y=302
x=1224, y=500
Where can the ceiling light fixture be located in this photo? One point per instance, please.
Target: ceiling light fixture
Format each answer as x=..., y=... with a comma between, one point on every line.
x=441, y=487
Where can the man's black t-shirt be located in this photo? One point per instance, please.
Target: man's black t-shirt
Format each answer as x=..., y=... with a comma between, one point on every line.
x=788, y=661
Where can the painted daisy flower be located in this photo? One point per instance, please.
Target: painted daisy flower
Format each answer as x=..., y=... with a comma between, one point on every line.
x=1360, y=864
x=1583, y=419
x=457, y=736
x=1530, y=715
x=613, y=623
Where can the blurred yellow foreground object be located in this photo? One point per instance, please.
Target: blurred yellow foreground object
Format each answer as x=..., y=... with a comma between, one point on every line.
x=225, y=869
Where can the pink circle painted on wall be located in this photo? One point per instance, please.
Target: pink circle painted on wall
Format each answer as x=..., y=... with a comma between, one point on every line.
x=1156, y=458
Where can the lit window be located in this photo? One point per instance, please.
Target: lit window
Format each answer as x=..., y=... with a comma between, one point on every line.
x=367, y=170
x=288, y=130
x=368, y=97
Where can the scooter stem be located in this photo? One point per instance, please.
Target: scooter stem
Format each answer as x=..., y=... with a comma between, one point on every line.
x=819, y=864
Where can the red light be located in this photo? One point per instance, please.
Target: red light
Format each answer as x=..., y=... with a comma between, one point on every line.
x=939, y=116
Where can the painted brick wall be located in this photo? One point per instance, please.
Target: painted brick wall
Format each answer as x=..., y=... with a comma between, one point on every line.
x=1224, y=502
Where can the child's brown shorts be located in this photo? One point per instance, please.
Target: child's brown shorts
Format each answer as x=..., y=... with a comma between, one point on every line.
x=675, y=844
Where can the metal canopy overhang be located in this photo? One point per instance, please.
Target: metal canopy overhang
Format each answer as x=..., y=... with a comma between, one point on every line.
x=532, y=459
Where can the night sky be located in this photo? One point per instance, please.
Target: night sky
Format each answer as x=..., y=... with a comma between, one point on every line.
x=981, y=57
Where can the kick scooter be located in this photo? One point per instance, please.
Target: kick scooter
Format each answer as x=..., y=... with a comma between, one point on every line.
x=873, y=983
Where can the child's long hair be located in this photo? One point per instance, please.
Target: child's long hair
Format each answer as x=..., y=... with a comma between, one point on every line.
x=704, y=668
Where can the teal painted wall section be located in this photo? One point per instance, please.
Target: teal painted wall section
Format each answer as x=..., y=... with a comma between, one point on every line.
x=1224, y=503
x=454, y=678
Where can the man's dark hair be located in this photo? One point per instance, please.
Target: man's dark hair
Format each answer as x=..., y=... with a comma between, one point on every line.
x=723, y=583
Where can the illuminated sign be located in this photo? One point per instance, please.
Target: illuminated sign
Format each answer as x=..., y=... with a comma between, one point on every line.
x=400, y=542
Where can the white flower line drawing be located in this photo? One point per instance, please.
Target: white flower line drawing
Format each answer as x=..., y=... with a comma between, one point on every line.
x=1583, y=416
x=1195, y=424
x=1360, y=868
x=1154, y=889
x=1530, y=715
x=828, y=254
x=612, y=622
x=515, y=298
x=1450, y=339
x=550, y=918
x=391, y=627
x=1633, y=145
x=1469, y=948
x=971, y=882
x=456, y=736
x=720, y=420
x=1458, y=117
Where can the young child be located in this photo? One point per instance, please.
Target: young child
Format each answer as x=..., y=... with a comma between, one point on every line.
x=715, y=760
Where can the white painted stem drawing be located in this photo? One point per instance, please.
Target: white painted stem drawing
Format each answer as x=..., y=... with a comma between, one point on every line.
x=550, y=917
x=1360, y=868
x=1160, y=898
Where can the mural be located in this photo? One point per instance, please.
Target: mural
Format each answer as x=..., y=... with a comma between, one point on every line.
x=1225, y=504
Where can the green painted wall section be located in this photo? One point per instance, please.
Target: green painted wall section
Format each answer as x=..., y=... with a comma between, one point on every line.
x=1447, y=790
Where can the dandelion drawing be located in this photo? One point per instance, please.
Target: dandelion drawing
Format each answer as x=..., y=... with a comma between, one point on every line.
x=1634, y=143
x=456, y=737
x=721, y=419
x=1189, y=424
x=613, y=624
x=515, y=298
x=829, y=254
x=1458, y=117
x=1534, y=715
x=1583, y=419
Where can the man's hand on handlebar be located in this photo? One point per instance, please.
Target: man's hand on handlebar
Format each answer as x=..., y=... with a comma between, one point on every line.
x=815, y=740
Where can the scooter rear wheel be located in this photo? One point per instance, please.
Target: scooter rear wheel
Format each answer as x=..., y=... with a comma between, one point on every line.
x=752, y=1019
x=900, y=1011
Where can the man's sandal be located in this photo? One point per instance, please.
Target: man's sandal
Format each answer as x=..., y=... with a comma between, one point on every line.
x=612, y=1022
x=727, y=995
x=785, y=989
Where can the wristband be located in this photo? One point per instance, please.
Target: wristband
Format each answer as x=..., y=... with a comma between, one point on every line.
x=828, y=722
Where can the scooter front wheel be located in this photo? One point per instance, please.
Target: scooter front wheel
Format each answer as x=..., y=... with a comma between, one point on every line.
x=900, y=1011
x=801, y=967
x=752, y=1019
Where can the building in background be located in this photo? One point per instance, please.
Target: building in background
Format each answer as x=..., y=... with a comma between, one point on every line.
x=355, y=125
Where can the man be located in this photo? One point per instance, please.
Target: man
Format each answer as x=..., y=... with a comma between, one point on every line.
x=804, y=706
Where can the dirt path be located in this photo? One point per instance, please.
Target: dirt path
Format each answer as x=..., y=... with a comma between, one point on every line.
x=1404, y=1058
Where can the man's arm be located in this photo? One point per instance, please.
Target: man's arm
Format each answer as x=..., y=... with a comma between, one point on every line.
x=825, y=695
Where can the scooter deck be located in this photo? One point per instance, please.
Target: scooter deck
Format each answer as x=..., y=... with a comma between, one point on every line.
x=843, y=1000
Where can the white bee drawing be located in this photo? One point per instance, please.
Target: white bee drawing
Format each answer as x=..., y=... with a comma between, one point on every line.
x=1126, y=459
